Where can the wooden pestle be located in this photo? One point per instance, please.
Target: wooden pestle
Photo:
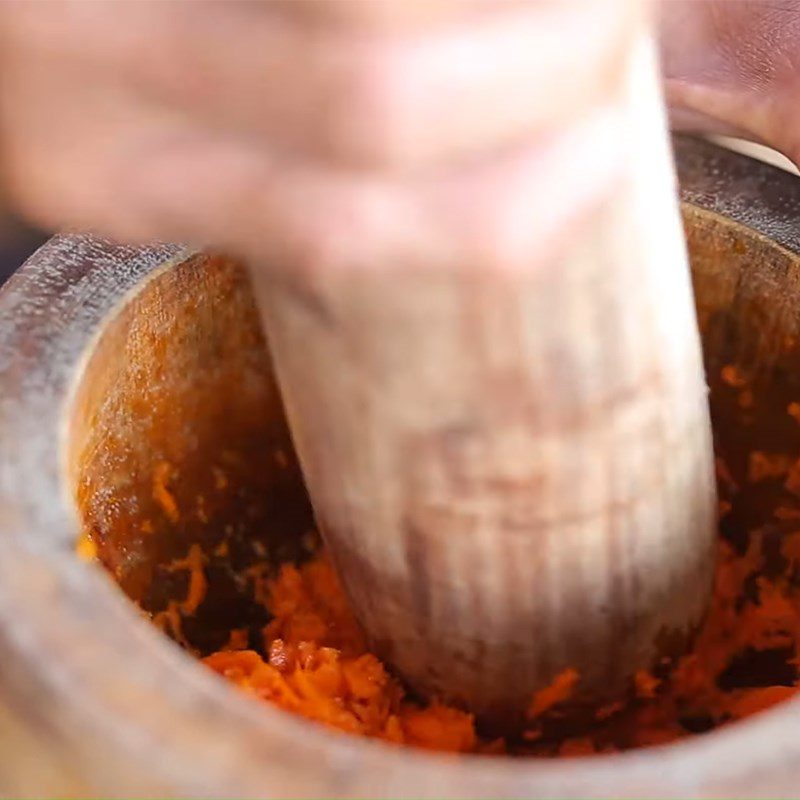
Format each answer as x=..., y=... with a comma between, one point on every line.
x=512, y=470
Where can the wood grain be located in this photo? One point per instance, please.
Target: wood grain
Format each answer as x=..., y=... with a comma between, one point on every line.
x=513, y=469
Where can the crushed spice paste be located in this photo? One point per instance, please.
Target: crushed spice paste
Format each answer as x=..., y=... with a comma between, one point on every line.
x=315, y=663
x=312, y=658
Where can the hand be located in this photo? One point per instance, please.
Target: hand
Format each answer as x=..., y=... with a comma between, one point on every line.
x=314, y=134
x=733, y=67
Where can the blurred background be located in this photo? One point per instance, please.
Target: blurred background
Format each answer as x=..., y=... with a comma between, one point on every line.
x=17, y=242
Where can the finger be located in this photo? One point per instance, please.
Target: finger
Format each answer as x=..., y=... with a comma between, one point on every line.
x=87, y=154
x=390, y=100
x=67, y=142
x=511, y=213
x=733, y=68
x=383, y=15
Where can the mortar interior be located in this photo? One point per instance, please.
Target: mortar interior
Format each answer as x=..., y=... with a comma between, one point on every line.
x=177, y=437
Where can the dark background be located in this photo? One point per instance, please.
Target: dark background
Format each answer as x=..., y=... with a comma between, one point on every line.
x=17, y=242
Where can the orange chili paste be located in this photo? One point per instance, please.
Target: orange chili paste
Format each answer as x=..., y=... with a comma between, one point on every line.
x=316, y=664
x=313, y=659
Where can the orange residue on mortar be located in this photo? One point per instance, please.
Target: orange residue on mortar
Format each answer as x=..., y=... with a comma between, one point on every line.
x=170, y=620
x=86, y=547
x=559, y=691
x=161, y=493
x=194, y=563
x=762, y=466
x=733, y=377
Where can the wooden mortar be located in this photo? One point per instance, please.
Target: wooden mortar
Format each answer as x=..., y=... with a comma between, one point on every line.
x=118, y=364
